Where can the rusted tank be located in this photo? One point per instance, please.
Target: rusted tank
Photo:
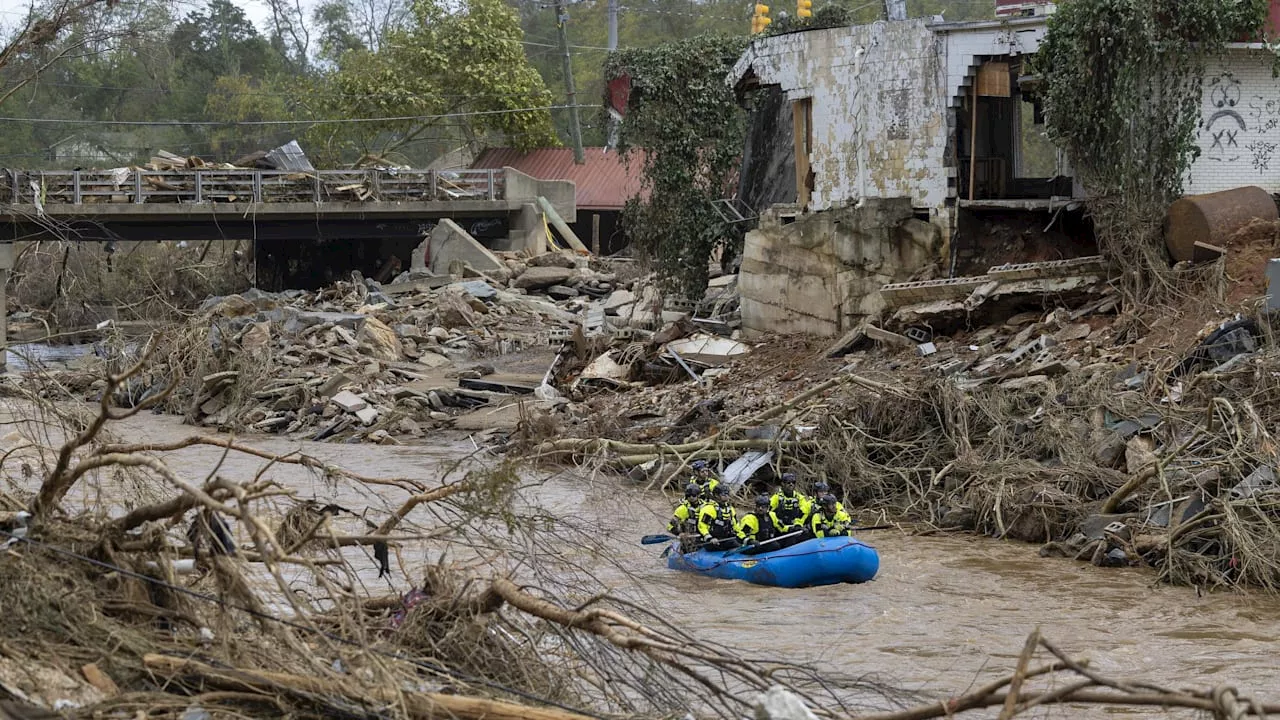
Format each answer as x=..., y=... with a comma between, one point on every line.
x=1214, y=218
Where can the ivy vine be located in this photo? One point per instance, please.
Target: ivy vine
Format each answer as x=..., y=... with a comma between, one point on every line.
x=1123, y=82
x=684, y=121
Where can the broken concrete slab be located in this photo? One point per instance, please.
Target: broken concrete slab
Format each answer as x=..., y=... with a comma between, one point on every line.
x=560, y=292
x=538, y=278
x=379, y=341
x=884, y=336
x=349, y=401
x=847, y=343
x=478, y=289
x=367, y=415
x=296, y=320
x=434, y=360
x=1078, y=331
x=416, y=285
x=617, y=300
x=450, y=243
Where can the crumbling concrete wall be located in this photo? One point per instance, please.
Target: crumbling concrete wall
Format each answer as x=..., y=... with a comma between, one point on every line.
x=878, y=94
x=819, y=275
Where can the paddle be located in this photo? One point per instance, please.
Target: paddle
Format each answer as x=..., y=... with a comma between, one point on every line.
x=655, y=539
x=755, y=549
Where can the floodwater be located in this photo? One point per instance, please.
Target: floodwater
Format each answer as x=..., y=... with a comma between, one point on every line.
x=945, y=614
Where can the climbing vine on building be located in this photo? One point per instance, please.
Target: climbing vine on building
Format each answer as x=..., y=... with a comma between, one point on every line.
x=688, y=129
x=1122, y=94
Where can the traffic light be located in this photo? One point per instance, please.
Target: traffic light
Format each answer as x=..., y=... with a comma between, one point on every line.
x=760, y=18
x=804, y=8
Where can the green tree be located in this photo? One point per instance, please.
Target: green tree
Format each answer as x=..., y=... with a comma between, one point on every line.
x=458, y=72
x=689, y=129
x=334, y=27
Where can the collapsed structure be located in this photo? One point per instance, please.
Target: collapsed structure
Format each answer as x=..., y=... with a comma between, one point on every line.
x=903, y=141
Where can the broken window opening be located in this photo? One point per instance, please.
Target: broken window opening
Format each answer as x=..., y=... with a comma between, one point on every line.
x=1005, y=153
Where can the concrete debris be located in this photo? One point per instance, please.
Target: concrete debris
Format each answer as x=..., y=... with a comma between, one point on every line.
x=538, y=278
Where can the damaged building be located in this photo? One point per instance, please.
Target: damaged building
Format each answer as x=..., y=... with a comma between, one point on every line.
x=914, y=152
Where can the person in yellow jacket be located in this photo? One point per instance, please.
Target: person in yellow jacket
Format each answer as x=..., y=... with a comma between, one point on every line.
x=718, y=521
x=705, y=477
x=684, y=519
x=757, y=526
x=790, y=507
x=830, y=519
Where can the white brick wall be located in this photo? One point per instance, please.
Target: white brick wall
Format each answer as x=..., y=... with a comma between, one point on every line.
x=1239, y=135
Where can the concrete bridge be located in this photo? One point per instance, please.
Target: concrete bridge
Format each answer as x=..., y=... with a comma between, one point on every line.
x=305, y=228
x=270, y=206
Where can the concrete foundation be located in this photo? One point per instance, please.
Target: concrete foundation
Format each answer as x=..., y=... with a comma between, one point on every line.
x=820, y=274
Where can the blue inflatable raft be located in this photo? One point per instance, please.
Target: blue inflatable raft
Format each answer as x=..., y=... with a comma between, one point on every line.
x=820, y=561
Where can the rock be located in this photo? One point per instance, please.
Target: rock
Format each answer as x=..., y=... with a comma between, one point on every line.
x=560, y=292
x=552, y=259
x=382, y=437
x=1138, y=454
x=454, y=310
x=438, y=333
x=409, y=332
x=1094, y=527
x=260, y=299
x=228, y=306
x=434, y=400
x=349, y=401
x=537, y=278
x=1079, y=331
x=440, y=417
x=434, y=360
x=1110, y=450
x=379, y=341
x=367, y=415
x=408, y=427
x=256, y=335
x=779, y=703
x=331, y=385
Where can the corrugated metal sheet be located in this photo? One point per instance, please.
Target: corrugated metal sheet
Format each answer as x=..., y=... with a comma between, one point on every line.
x=603, y=182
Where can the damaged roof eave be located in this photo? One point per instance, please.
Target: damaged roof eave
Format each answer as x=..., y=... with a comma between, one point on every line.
x=977, y=25
x=743, y=67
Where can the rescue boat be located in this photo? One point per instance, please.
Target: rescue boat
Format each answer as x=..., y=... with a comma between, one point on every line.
x=819, y=561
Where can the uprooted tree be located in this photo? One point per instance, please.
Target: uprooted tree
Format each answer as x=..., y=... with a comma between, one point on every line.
x=1123, y=82
x=691, y=129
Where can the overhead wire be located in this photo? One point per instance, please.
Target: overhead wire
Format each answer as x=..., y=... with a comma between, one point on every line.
x=260, y=123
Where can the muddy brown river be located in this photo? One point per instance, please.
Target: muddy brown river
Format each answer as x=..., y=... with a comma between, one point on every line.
x=945, y=614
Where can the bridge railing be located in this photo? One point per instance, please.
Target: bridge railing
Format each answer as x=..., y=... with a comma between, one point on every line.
x=137, y=186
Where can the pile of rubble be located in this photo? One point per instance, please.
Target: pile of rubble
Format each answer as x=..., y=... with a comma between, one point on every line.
x=476, y=351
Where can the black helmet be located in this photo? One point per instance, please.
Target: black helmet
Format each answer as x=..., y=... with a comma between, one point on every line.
x=828, y=499
x=692, y=490
x=698, y=464
x=820, y=487
x=762, y=501
x=720, y=490
x=788, y=477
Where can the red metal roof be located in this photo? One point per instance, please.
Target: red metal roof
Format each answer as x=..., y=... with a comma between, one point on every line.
x=603, y=181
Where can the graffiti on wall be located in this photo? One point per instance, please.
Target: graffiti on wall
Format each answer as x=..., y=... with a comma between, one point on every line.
x=1225, y=126
x=1231, y=116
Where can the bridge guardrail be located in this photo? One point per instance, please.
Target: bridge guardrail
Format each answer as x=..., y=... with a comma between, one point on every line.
x=140, y=186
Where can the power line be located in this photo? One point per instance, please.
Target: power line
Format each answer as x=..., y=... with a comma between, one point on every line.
x=257, y=123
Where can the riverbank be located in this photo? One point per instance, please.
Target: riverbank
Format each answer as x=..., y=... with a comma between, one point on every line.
x=1117, y=437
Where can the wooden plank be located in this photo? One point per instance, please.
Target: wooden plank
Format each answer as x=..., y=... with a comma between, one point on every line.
x=993, y=80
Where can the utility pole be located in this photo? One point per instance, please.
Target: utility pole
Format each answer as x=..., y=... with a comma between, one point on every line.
x=575, y=128
x=613, y=25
